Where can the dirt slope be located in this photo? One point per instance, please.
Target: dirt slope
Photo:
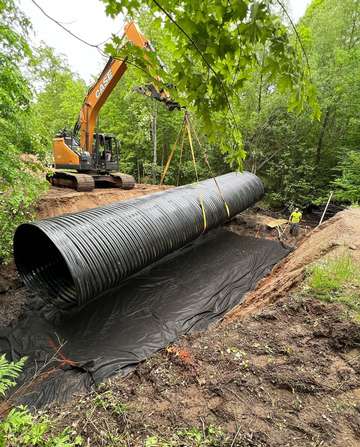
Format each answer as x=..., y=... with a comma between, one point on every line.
x=340, y=233
x=287, y=376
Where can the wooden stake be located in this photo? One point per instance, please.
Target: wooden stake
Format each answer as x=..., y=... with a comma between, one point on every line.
x=326, y=207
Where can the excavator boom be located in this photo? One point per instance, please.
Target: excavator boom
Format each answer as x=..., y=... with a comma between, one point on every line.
x=110, y=76
x=96, y=98
x=96, y=156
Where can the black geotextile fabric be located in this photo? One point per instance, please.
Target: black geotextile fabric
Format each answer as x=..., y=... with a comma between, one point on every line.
x=185, y=291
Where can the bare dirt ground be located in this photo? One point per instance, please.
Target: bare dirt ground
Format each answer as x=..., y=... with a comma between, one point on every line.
x=13, y=295
x=280, y=370
x=288, y=375
x=59, y=201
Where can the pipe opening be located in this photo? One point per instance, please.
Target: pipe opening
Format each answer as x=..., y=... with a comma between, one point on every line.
x=41, y=265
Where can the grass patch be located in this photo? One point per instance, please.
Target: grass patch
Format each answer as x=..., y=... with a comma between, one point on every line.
x=107, y=401
x=336, y=280
x=332, y=275
x=193, y=437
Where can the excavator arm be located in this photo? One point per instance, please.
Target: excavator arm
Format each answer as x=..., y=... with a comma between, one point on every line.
x=95, y=158
x=110, y=76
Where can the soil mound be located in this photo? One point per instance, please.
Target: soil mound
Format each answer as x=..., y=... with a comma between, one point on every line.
x=59, y=201
x=338, y=234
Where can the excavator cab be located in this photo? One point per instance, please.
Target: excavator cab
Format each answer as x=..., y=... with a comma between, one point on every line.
x=105, y=160
x=106, y=153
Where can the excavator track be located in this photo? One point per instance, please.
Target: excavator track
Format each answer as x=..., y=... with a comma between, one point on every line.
x=80, y=182
x=124, y=181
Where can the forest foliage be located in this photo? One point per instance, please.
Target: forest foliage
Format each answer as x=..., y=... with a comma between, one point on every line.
x=21, y=167
x=263, y=97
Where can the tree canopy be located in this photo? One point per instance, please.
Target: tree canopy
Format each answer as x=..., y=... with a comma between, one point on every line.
x=217, y=47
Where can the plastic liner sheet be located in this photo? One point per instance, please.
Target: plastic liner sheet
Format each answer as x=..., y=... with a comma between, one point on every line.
x=184, y=292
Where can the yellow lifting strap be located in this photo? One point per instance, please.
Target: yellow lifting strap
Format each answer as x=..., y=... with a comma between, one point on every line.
x=191, y=146
x=201, y=198
x=210, y=170
x=163, y=175
x=181, y=155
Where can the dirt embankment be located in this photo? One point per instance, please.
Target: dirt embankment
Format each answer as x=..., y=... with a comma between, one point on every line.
x=339, y=234
x=59, y=201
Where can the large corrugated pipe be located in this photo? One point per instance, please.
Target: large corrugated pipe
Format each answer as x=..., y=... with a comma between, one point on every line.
x=78, y=256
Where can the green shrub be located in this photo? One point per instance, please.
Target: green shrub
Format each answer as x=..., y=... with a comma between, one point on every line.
x=22, y=180
x=9, y=371
x=19, y=428
x=22, y=145
x=348, y=185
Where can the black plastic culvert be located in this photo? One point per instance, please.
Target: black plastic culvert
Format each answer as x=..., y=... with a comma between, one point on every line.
x=76, y=257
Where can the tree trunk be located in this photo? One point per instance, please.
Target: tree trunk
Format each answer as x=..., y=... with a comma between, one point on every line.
x=154, y=141
x=261, y=82
x=260, y=94
x=138, y=171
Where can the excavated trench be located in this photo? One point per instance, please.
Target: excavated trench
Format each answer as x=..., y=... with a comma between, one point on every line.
x=117, y=283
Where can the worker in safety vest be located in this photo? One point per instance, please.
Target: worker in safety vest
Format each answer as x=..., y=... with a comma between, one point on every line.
x=295, y=219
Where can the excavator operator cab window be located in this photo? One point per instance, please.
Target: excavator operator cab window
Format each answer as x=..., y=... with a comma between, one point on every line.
x=106, y=151
x=108, y=148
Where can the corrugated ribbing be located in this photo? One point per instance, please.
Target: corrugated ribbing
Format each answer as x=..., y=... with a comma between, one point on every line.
x=78, y=256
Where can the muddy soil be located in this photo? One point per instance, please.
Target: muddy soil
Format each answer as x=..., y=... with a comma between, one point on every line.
x=13, y=295
x=288, y=375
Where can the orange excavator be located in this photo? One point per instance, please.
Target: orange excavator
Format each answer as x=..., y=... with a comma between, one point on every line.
x=85, y=158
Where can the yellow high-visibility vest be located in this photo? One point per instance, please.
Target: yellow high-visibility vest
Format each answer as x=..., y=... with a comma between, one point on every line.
x=295, y=217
